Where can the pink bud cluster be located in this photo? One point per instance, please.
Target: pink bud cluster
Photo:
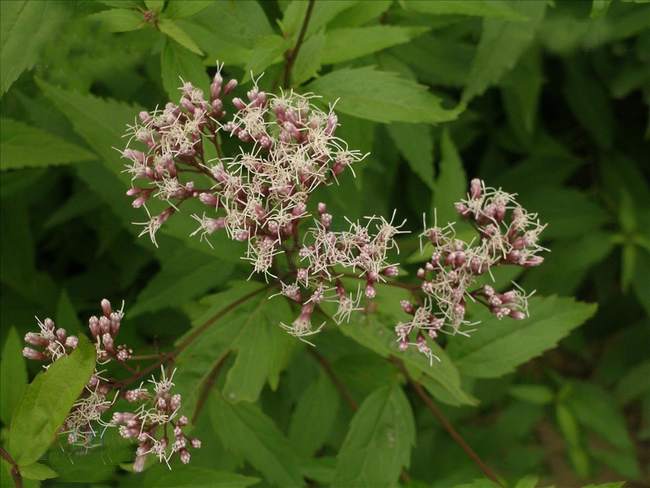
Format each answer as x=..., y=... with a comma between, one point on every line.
x=508, y=234
x=84, y=423
x=156, y=425
x=287, y=148
x=53, y=342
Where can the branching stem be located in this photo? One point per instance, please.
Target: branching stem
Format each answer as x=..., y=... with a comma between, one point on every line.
x=15, y=472
x=292, y=54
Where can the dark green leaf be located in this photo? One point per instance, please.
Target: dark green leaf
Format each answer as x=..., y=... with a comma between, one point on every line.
x=415, y=142
x=195, y=477
x=451, y=185
x=23, y=146
x=179, y=65
x=480, y=8
x=379, y=442
x=381, y=96
x=13, y=374
x=178, y=9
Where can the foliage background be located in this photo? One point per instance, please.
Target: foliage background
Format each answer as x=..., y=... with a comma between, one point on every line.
x=546, y=99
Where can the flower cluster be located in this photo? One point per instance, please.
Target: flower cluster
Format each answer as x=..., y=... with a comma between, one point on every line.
x=84, y=423
x=507, y=234
x=148, y=424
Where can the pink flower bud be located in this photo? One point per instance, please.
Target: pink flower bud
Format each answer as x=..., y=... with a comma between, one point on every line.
x=475, y=188
x=230, y=86
x=33, y=354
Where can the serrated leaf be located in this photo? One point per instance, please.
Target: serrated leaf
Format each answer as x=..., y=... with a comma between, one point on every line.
x=499, y=346
x=25, y=27
x=381, y=96
x=502, y=43
x=498, y=9
x=247, y=431
x=349, y=43
x=178, y=9
x=376, y=332
x=360, y=13
x=195, y=477
x=37, y=471
x=177, y=63
x=47, y=401
x=23, y=146
x=314, y=416
x=451, y=184
x=119, y=19
x=379, y=442
x=415, y=142
x=13, y=373
x=173, y=30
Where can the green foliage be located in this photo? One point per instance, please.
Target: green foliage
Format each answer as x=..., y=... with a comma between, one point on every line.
x=545, y=99
x=46, y=403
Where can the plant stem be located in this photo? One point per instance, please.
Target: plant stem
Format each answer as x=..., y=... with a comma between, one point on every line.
x=455, y=435
x=15, y=472
x=207, y=385
x=340, y=386
x=292, y=54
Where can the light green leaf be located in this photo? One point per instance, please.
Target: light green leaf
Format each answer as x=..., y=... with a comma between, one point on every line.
x=499, y=346
x=527, y=482
x=177, y=63
x=13, y=375
x=498, y=9
x=247, y=431
x=119, y=19
x=156, y=5
x=37, y=471
x=502, y=43
x=379, y=442
x=173, y=30
x=381, y=96
x=480, y=483
x=195, y=477
x=350, y=43
x=535, y=394
x=314, y=416
x=322, y=14
x=415, y=142
x=451, y=185
x=25, y=27
x=47, y=401
x=360, y=13
x=178, y=9
x=599, y=8
x=23, y=146
x=308, y=61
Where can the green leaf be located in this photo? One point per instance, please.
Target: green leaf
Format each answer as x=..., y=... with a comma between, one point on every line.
x=185, y=275
x=360, y=13
x=451, y=185
x=47, y=401
x=502, y=43
x=308, y=61
x=634, y=383
x=23, y=146
x=37, y=471
x=26, y=26
x=527, y=482
x=314, y=416
x=66, y=315
x=521, y=90
x=173, y=30
x=322, y=14
x=498, y=9
x=178, y=9
x=596, y=409
x=599, y=8
x=263, y=349
x=195, y=477
x=376, y=332
x=349, y=43
x=13, y=373
x=499, y=346
x=268, y=50
x=415, y=142
x=247, y=431
x=381, y=96
x=119, y=19
x=535, y=394
x=177, y=63
x=379, y=442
